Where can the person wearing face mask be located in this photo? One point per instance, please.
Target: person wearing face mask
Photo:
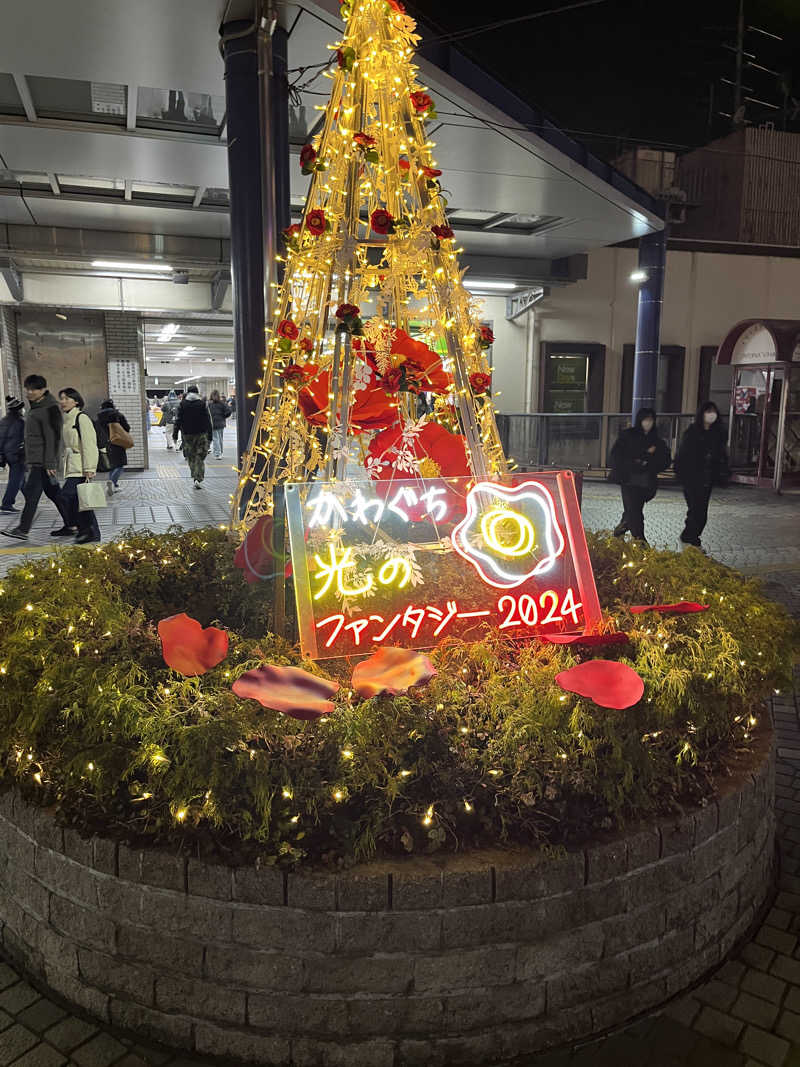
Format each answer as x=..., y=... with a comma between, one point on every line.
x=702, y=463
x=637, y=458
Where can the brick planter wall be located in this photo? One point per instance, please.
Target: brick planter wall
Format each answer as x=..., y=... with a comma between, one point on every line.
x=468, y=961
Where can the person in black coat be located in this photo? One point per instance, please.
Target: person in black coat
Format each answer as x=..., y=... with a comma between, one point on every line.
x=193, y=422
x=702, y=463
x=637, y=458
x=117, y=456
x=12, y=450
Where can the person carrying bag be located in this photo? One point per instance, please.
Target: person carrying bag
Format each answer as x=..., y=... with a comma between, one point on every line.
x=80, y=495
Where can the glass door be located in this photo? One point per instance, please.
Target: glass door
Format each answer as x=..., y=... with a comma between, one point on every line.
x=773, y=431
x=748, y=409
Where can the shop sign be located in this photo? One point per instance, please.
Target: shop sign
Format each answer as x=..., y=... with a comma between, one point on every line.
x=410, y=563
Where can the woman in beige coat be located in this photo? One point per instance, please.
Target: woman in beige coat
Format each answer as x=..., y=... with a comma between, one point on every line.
x=79, y=464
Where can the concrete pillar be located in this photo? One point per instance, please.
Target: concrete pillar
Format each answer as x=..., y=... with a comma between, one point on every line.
x=652, y=261
x=9, y=355
x=126, y=385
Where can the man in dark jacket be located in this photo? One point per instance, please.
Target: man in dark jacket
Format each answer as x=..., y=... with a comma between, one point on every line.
x=637, y=458
x=12, y=450
x=193, y=422
x=42, y=448
x=702, y=463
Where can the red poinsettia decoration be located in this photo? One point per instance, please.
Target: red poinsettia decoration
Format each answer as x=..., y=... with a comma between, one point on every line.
x=393, y=380
x=316, y=222
x=480, y=383
x=371, y=409
x=306, y=344
x=289, y=690
x=432, y=450
x=486, y=336
x=442, y=233
x=188, y=648
x=364, y=140
x=606, y=682
x=308, y=159
x=381, y=221
x=256, y=555
x=422, y=370
x=421, y=102
x=288, y=329
x=431, y=172
x=391, y=670
x=682, y=607
x=587, y=640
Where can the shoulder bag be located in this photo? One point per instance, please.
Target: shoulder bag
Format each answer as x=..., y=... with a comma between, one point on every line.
x=119, y=436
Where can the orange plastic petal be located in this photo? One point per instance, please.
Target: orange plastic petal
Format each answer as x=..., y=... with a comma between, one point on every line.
x=290, y=690
x=609, y=684
x=391, y=670
x=188, y=648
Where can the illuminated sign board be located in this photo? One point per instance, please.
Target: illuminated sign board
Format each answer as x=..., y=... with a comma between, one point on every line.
x=410, y=563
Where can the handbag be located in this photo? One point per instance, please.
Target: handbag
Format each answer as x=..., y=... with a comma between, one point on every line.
x=119, y=436
x=91, y=495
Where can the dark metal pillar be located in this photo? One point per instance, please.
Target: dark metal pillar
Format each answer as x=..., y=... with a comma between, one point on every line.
x=280, y=134
x=652, y=263
x=240, y=52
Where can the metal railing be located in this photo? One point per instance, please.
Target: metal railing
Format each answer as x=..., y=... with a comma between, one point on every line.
x=576, y=441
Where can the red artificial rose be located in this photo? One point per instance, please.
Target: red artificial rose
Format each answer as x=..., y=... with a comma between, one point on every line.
x=487, y=337
x=444, y=233
x=306, y=345
x=287, y=328
x=393, y=380
x=404, y=164
x=316, y=222
x=308, y=158
x=292, y=231
x=381, y=221
x=347, y=311
x=480, y=383
x=364, y=140
x=431, y=172
x=294, y=374
x=421, y=102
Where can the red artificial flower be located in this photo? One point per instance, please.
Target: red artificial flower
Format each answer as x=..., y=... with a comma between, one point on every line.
x=316, y=222
x=347, y=311
x=395, y=5
x=370, y=410
x=294, y=374
x=443, y=233
x=431, y=172
x=288, y=329
x=588, y=640
x=308, y=158
x=381, y=221
x=404, y=164
x=188, y=648
x=292, y=231
x=289, y=690
x=433, y=445
x=421, y=102
x=486, y=336
x=256, y=555
x=306, y=344
x=423, y=366
x=364, y=140
x=393, y=380
x=683, y=607
x=480, y=382
x=607, y=683
x=340, y=57
x=391, y=670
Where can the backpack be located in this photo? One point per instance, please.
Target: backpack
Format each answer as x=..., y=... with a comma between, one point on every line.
x=102, y=440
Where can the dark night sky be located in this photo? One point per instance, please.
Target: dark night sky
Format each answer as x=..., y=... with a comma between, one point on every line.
x=633, y=69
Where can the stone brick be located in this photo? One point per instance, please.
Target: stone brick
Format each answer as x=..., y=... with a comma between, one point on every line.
x=308, y=1052
x=706, y=820
x=73, y=990
x=677, y=836
x=46, y=831
x=598, y=901
x=464, y=969
x=553, y=1029
x=767, y=1048
x=539, y=876
x=65, y=877
x=687, y=971
x=718, y=994
x=493, y=1007
x=69, y=1033
x=365, y=974
x=757, y=956
x=41, y=1056
x=400, y=1016
x=623, y=932
x=16, y=1041
x=283, y=929
x=104, y=856
x=683, y=1010
x=581, y=984
x=19, y=849
x=356, y=892
x=787, y=968
x=173, y=1030
x=464, y=887
x=728, y=807
x=204, y=1000
x=209, y=880
x=112, y=975
x=207, y=920
x=262, y=885
x=778, y=940
x=690, y=902
x=404, y=931
x=170, y=954
x=59, y=951
x=100, y=1051
x=644, y=848
x=27, y=891
x=717, y=920
x=718, y=1026
x=41, y=1015
x=714, y=851
x=612, y=1010
x=733, y=872
x=17, y=997
x=658, y=880
x=788, y=1026
x=82, y=925
x=732, y=972
x=568, y=951
x=77, y=847
x=314, y=891
x=416, y=890
x=650, y=959
x=607, y=861
x=243, y=967
x=755, y=1010
x=317, y=1014
x=779, y=918
x=163, y=870
x=252, y=1048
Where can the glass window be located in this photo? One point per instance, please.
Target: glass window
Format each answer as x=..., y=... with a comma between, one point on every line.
x=10, y=103
x=177, y=109
x=67, y=98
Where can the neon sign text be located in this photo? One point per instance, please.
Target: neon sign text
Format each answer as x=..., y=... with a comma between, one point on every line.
x=336, y=565
x=327, y=508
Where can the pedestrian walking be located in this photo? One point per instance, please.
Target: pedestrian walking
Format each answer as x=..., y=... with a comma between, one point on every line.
x=110, y=418
x=42, y=452
x=702, y=463
x=12, y=451
x=220, y=412
x=637, y=458
x=193, y=422
x=79, y=464
x=169, y=409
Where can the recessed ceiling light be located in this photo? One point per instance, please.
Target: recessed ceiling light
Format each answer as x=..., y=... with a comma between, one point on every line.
x=166, y=333
x=113, y=264
x=475, y=283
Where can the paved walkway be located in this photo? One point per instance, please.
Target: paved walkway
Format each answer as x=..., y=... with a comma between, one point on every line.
x=746, y=1015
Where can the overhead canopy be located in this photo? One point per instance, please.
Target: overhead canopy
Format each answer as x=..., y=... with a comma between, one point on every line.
x=761, y=341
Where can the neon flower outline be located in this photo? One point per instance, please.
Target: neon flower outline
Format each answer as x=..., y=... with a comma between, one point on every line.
x=488, y=566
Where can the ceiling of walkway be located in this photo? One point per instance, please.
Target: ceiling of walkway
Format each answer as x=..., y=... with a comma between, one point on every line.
x=112, y=117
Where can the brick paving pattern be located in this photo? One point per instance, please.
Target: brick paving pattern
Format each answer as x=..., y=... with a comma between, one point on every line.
x=746, y=1015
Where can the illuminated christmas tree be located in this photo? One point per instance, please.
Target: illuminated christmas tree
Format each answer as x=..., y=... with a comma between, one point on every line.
x=375, y=365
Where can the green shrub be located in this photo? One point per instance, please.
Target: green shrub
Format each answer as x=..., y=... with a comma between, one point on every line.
x=491, y=751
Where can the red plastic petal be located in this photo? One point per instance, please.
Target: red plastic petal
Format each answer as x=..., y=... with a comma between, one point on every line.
x=290, y=690
x=609, y=684
x=188, y=648
x=589, y=640
x=391, y=670
x=683, y=607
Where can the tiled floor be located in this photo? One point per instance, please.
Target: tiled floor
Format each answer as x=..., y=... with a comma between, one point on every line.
x=746, y=1015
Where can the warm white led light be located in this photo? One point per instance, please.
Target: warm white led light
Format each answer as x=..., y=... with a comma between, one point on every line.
x=113, y=264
